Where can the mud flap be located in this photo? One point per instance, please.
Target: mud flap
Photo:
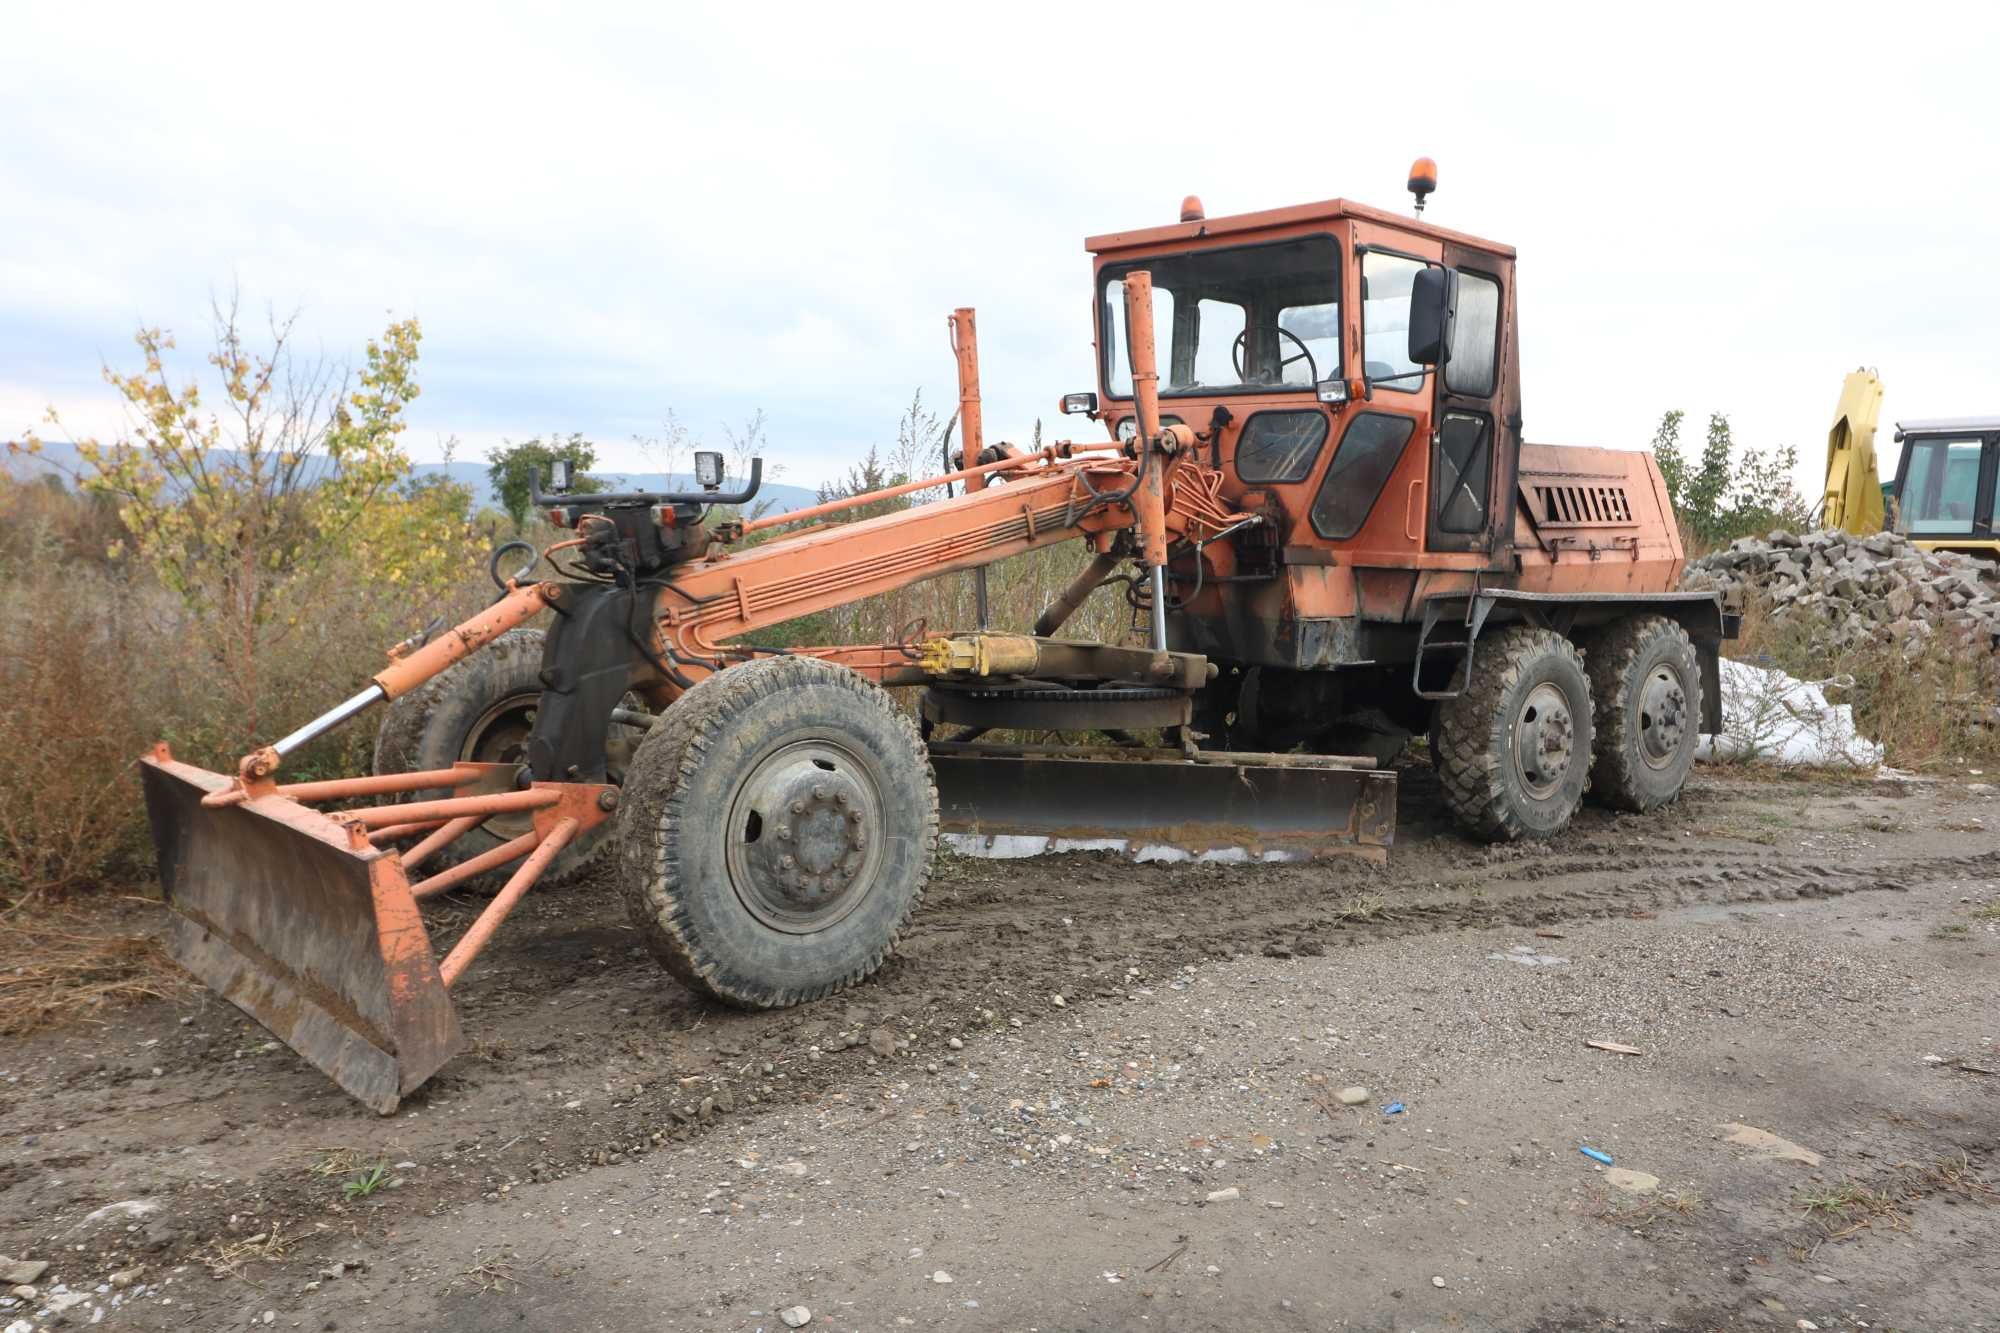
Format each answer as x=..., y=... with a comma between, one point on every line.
x=1156, y=809
x=277, y=910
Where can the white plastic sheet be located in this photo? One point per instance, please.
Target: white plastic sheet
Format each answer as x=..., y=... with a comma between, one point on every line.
x=1773, y=718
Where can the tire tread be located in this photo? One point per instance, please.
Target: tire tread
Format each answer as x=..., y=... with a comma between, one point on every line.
x=1470, y=743
x=656, y=806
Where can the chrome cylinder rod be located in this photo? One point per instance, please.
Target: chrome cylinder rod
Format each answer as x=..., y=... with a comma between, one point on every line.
x=1159, y=608
x=328, y=720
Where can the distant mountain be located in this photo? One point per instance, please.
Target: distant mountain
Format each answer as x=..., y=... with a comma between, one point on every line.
x=777, y=499
x=772, y=497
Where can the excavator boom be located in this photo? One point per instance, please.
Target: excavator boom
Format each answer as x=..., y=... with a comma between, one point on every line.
x=1853, y=499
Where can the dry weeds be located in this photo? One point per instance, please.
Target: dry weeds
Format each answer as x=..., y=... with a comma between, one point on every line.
x=232, y=1258
x=1852, y=1207
x=63, y=969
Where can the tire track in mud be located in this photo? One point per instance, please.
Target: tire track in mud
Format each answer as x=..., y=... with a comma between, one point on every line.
x=579, y=1009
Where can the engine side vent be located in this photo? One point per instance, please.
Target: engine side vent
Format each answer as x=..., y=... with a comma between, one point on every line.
x=1570, y=505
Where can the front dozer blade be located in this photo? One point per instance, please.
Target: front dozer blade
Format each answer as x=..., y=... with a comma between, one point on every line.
x=1159, y=806
x=276, y=909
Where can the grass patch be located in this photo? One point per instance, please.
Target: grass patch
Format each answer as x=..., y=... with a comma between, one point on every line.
x=1667, y=1205
x=364, y=1182
x=232, y=1258
x=1987, y=911
x=1362, y=907
x=1851, y=1207
x=334, y=1162
x=1951, y=930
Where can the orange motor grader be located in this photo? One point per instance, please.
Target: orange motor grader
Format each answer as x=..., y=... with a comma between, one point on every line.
x=1310, y=468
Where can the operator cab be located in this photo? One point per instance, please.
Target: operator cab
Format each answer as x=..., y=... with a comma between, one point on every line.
x=1349, y=371
x=1947, y=483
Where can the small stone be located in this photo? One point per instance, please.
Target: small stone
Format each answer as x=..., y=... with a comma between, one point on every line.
x=941, y=1277
x=1230, y=1195
x=270, y=1316
x=1354, y=1096
x=24, y=1292
x=125, y=1277
x=795, y=1316
x=21, y=1271
x=956, y=1044
x=1437, y=1282
x=1632, y=1182
x=1274, y=1203
x=1825, y=1277
x=882, y=1042
x=1058, y=1001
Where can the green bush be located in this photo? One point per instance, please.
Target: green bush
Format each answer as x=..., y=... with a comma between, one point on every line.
x=1728, y=492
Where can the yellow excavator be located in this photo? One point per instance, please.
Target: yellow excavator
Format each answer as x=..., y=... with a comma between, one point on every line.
x=1947, y=475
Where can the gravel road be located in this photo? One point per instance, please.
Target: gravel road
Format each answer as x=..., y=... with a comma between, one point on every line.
x=1090, y=1095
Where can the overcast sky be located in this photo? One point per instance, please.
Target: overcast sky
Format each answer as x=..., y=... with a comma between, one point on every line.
x=601, y=216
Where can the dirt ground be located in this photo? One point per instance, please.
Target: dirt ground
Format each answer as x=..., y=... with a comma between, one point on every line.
x=1033, y=1117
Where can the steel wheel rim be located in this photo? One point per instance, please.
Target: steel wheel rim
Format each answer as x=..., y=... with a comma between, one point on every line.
x=803, y=836
x=1544, y=740
x=1662, y=716
x=500, y=736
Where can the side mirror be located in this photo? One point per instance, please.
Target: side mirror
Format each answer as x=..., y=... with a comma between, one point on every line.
x=559, y=477
x=1433, y=293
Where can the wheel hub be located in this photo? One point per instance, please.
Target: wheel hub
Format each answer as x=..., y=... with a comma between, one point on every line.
x=804, y=835
x=1544, y=740
x=1663, y=720
x=500, y=736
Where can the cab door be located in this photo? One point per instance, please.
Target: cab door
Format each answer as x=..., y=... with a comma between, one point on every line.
x=1475, y=431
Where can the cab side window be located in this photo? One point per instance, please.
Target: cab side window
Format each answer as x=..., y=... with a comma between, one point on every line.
x=1472, y=364
x=1385, y=317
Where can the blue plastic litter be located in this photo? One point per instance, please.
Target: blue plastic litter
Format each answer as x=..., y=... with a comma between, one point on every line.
x=1393, y=1108
x=1595, y=1155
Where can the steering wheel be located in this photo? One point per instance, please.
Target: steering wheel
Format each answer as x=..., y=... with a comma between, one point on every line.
x=1237, y=348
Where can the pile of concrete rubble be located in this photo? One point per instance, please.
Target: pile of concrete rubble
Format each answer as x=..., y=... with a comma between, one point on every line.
x=1849, y=591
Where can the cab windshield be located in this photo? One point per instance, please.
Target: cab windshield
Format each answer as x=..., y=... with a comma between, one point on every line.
x=1940, y=488
x=1251, y=318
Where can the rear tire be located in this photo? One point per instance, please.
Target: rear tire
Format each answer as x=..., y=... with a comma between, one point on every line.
x=1646, y=684
x=479, y=709
x=776, y=832
x=1513, y=750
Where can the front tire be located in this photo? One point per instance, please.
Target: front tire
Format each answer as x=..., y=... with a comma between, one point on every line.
x=1647, y=686
x=1514, y=747
x=480, y=709
x=776, y=832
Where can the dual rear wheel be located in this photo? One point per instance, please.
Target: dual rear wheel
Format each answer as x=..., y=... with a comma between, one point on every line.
x=1545, y=720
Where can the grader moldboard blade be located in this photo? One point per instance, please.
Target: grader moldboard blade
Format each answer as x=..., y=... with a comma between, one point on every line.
x=1158, y=805
x=279, y=911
